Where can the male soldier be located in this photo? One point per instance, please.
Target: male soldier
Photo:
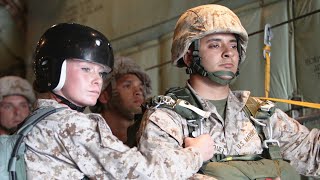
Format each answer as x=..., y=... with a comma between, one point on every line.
x=71, y=61
x=211, y=42
x=121, y=99
x=16, y=99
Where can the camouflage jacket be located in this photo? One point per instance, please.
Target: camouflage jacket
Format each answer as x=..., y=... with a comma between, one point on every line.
x=71, y=145
x=236, y=135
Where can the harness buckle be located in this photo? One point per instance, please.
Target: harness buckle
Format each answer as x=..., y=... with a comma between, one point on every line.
x=267, y=106
x=270, y=141
x=163, y=100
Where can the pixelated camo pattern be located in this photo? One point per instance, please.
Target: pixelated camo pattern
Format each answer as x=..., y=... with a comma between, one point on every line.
x=236, y=135
x=70, y=145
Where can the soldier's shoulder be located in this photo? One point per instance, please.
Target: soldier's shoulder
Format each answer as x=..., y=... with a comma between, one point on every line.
x=167, y=120
x=166, y=115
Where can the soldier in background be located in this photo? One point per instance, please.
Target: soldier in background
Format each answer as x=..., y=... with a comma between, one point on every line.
x=16, y=99
x=252, y=139
x=120, y=102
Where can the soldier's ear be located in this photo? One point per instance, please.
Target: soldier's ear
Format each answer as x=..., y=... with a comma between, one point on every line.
x=187, y=58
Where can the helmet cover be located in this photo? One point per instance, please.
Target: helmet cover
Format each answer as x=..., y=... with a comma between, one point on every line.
x=203, y=20
x=14, y=85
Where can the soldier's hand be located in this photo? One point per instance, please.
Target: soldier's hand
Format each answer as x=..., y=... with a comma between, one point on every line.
x=203, y=143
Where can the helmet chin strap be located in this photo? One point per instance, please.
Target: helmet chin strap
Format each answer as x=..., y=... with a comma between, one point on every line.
x=70, y=104
x=196, y=67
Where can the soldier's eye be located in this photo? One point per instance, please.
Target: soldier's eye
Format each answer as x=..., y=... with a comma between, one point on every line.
x=86, y=69
x=104, y=75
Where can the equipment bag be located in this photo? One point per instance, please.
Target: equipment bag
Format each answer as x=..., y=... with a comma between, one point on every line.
x=12, y=147
x=251, y=170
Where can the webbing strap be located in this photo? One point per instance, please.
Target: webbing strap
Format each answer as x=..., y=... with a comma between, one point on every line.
x=252, y=106
x=266, y=54
x=29, y=123
x=267, y=50
x=298, y=103
x=251, y=109
x=224, y=158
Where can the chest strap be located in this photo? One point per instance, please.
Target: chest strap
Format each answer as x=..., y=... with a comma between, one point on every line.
x=224, y=158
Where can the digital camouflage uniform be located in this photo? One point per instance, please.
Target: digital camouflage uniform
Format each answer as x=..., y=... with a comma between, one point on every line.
x=236, y=135
x=71, y=145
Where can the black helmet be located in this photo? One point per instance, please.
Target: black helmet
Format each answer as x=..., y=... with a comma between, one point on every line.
x=65, y=41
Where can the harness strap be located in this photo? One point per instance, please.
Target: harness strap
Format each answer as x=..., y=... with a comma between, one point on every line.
x=254, y=109
x=268, y=35
x=298, y=103
x=252, y=106
x=224, y=158
x=29, y=123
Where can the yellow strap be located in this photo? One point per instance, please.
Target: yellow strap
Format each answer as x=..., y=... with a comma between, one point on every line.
x=298, y=103
x=267, y=50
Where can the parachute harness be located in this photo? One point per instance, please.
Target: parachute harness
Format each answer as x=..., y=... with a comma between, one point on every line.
x=193, y=114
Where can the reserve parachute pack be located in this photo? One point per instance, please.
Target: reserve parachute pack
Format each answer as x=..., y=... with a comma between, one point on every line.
x=269, y=164
x=12, y=147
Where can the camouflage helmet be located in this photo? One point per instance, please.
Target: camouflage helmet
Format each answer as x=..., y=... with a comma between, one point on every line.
x=14, y=85
x=200, y=21
x=126, y=65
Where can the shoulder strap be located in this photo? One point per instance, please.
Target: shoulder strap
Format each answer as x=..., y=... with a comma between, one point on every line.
x=262, y=110
x=183, y=93
x=188, y=106
x=186, y=103
x=29, y=123
x=252, y=106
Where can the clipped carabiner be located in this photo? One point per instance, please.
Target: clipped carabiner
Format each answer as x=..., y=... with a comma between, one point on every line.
x=268, y=35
